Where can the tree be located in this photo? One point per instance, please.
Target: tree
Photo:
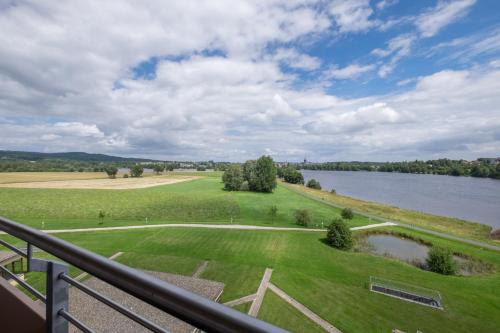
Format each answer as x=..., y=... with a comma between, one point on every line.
x=313, y=183
x=292, y=176
x=266, y=174
x=260, y=174
x=136, y=170
x=440, y=260
x=302, y=217
x=111, y=171
x=249, y=173
x=347, y=213
x=233, y=178
x=339, y=235
x=158, y=168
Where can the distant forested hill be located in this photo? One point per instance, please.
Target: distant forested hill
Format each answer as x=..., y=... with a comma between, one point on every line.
x=70, y=156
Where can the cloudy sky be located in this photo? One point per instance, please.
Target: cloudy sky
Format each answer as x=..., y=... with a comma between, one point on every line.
x=230, y=80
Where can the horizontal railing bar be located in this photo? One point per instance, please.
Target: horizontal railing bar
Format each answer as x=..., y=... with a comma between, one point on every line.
x=112, y=304
x=69, y=317
x=194, y=309
x=35, y=292
x=13, y=248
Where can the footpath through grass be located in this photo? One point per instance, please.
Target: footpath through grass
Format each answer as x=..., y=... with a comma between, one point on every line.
x=198, y=201
x=331, y=283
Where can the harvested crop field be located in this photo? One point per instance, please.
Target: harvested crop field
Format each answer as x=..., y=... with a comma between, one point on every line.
x=22, y=177
x=105, y=183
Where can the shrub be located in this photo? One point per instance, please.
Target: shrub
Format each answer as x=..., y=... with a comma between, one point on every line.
x=125, y=175
x=495, y=234
x=347, y=214
x=273, y=211
x=440, y=260
x=313, y=183
x=302, y=217
x=333, y=191
x=232, y=178
x=339, y=235
x=292, y=176
x=101, y=216
x=111, y=171
x=136, y=170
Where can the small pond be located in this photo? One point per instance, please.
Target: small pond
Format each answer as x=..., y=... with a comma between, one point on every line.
x=410, y=251
x=397, y=247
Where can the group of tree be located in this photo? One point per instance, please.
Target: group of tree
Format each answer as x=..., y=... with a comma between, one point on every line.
x=290, y=175
x=254, y=175
x=483, y=167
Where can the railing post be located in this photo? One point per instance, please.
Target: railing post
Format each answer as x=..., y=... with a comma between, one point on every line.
x=29, y=255
x=57, y=298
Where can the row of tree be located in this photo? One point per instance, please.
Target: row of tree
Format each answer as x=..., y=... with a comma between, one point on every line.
x=254, y=175
x=135, y=171
x=484, y=168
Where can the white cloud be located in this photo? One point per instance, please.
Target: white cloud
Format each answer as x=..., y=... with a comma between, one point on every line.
x=381, y=5
x=218, y=93
x=353, y=15
x=364, y=118
x=349, y=72
x=292, y=58
x=466, y=48
x=397, y=48
x=445, y=13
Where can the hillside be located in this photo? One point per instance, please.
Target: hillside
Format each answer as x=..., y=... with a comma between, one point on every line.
x=70, y=156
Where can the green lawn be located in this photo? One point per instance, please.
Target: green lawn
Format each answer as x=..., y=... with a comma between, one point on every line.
x=332, y=283
x=200, y=201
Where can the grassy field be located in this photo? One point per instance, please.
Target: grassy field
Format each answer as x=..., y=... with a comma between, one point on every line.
x=332, y=283
x=439, y=223
x=198, y=201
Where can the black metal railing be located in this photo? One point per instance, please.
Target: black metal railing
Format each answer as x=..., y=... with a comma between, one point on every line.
x=191, y=308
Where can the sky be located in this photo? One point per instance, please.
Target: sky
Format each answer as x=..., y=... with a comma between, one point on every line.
x=227, y=80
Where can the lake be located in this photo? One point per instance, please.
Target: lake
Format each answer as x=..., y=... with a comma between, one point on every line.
x=468, y=198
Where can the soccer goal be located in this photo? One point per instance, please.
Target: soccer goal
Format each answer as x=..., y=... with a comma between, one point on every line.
x=406, y=292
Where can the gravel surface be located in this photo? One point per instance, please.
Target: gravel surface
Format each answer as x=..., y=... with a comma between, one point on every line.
x=102, y=318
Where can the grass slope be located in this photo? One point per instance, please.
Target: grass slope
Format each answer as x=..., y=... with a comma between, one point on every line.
x=434, y=222
x=331, y=283
x=195, y=201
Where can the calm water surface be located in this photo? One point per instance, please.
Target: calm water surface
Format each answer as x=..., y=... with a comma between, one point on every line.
x=473, y=199
x=401, y=248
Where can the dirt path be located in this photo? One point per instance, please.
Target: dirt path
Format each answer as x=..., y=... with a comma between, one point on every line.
x=257, y=302
x=201, y=268
x=242, y=300
x=308, y=313
x=207, y=226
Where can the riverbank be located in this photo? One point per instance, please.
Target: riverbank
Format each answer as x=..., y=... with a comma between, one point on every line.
x=375, y=210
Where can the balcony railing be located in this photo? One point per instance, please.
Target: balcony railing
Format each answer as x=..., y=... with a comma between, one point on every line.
x=191, y=308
